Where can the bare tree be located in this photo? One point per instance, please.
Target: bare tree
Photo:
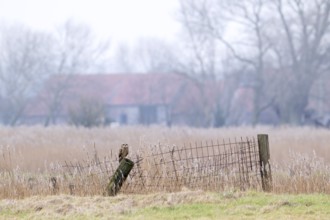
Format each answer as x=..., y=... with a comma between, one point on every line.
x=148, y=55
x=28, y=58
x=155, y=55
x=23, y=67
x=250, y=48
x=286, y=50
x=87, y=113
x=303, y=52
x=205, y=23
x=75, y=50
x=123, y=61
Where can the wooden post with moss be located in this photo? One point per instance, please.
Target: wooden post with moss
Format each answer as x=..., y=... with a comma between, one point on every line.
x=264, y=156
x=119, y=176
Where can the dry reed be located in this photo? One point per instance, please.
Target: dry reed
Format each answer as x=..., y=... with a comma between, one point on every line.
x=31, y=156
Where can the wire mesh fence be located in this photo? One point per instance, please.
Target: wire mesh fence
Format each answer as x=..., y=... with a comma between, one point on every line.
x=208, y=166
x=214, y=166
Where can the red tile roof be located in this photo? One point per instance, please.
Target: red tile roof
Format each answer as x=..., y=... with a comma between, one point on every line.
x=122, y=89
x=128, y=89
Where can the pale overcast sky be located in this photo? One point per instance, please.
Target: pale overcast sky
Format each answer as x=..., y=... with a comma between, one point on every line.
x=121, y=20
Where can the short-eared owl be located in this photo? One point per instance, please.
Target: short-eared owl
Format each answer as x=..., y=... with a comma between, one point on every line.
x=123, y=152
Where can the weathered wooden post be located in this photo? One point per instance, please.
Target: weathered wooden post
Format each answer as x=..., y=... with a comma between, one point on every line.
x=264, y=156
x=119, y=176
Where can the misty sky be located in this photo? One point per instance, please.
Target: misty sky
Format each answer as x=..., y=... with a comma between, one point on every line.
x=121, y=20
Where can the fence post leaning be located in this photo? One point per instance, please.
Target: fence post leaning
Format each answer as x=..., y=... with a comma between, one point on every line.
x=119, y=176
x=264, y=156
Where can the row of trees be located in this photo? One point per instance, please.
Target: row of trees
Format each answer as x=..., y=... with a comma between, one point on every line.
x=280, y=47
x=283, y=44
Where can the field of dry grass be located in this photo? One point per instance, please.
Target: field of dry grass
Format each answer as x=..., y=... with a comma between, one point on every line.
x=300, y=156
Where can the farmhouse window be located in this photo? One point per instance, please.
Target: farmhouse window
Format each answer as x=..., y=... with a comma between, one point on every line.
x=148, y=114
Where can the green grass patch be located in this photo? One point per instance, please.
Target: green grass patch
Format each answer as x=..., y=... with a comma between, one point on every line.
x=249, y=206
x=232, y=205
x=13, y=214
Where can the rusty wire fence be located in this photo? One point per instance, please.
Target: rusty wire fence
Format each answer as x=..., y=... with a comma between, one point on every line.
x=214, y=166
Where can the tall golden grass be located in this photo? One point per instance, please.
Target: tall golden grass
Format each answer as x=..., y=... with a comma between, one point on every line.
x=300, y=157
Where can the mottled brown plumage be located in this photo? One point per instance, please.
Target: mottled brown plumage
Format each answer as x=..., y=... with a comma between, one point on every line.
x=123, y=152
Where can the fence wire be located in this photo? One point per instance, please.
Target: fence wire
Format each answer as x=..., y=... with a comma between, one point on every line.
x=214, y=166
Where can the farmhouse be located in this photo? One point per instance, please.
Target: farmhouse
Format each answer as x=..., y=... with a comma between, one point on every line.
x=125, y=99
x=166, y=99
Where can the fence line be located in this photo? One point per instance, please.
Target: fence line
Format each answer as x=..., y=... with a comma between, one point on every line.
x=211, y=165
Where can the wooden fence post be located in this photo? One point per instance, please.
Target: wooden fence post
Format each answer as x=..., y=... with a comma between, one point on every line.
x=119, y=176
x=265, y=169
